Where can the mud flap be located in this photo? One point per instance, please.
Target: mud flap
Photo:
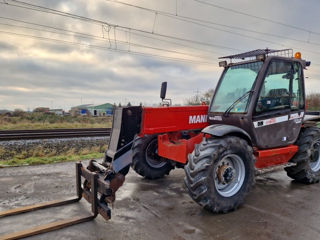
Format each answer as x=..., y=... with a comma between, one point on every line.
x=126, y=124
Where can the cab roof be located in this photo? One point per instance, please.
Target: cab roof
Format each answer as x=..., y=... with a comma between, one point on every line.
x=266, y=52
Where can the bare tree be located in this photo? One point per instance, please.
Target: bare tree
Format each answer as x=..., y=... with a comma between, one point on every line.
x=313, y=101
x=198, y=99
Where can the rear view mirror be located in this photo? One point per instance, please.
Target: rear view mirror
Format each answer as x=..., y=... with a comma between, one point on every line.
x=223, y=64
x=163, y=90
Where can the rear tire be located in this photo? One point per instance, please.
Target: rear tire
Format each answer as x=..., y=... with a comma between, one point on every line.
x=220, y=173
x=145, y=159
x=307, y=158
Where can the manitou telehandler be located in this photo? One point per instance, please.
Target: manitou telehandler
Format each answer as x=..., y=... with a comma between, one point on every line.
x=257, y=119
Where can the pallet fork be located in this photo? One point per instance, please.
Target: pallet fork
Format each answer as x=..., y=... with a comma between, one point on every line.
x=96, y=189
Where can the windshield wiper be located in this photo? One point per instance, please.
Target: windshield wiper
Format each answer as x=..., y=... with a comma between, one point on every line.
x=226, y=113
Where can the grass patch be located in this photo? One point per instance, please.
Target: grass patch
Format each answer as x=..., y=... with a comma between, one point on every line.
x=18, y=161
x=50, y=121
x=47, y=154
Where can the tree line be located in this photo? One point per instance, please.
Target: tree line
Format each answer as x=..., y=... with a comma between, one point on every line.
x=313, y=101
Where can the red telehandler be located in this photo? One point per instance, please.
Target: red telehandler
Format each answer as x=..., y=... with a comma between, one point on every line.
x=257, y=119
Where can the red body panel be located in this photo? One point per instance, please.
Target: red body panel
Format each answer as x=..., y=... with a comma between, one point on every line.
x=276, y=156
x=173, y=119
x=171, y=147
x=168, y=122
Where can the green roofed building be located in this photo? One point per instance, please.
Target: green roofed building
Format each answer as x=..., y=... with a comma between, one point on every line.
x=101, y=110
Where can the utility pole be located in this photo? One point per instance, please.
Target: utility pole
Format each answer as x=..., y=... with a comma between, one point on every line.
x=197, y=95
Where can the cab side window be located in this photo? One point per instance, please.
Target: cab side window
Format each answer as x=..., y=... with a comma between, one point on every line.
x=275, y=92
x=297, y=98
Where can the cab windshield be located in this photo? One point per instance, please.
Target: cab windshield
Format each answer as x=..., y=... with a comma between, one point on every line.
x=236, y=82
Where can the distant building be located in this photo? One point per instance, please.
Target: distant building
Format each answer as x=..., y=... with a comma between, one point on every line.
x=4, y=112
x=101, y=110
x=59, y=112
x=42, y=109
x=80, y=110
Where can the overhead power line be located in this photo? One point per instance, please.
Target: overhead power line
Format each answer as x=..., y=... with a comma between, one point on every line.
x=125, y=31
x=90, y=36
x=204, y=23
x=173, y=42
x=105, y=48
x=257, y=17
x=65, y=14
x=188, y=20
x=34, y=7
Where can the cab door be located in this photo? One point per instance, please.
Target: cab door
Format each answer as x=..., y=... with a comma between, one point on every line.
x=280, y=106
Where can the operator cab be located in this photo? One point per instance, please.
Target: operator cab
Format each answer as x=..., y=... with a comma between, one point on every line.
x=262, y=93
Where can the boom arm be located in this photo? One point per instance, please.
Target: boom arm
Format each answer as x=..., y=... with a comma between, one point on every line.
x=131, y=121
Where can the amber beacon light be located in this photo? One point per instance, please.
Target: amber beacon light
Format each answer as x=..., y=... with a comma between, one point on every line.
x=297, y=55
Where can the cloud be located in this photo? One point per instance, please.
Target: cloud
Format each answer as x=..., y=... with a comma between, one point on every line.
x=6, y=47
x=62, y=73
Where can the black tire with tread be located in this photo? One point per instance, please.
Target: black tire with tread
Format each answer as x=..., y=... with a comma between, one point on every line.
x=302, y=171
x=139, y=163
x=200, y=168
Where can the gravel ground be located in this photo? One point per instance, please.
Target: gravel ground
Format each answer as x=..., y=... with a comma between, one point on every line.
x=277, y=208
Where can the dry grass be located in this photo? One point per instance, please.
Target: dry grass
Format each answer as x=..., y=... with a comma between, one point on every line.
x=48, y=160
x=2, y=151
x=40, y=155
x=50, y=121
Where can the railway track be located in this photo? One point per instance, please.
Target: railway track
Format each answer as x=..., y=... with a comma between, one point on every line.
x=7, y=135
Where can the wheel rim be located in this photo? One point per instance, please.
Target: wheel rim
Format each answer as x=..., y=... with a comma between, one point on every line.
x=229, y=175
x=152, y=157
x=315, y=158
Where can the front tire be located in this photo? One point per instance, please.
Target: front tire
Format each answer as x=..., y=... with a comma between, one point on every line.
x=145, y=159
x=307, y=158
x=220, y=173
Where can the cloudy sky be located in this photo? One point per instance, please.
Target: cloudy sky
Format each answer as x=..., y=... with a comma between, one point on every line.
x=121, y=53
